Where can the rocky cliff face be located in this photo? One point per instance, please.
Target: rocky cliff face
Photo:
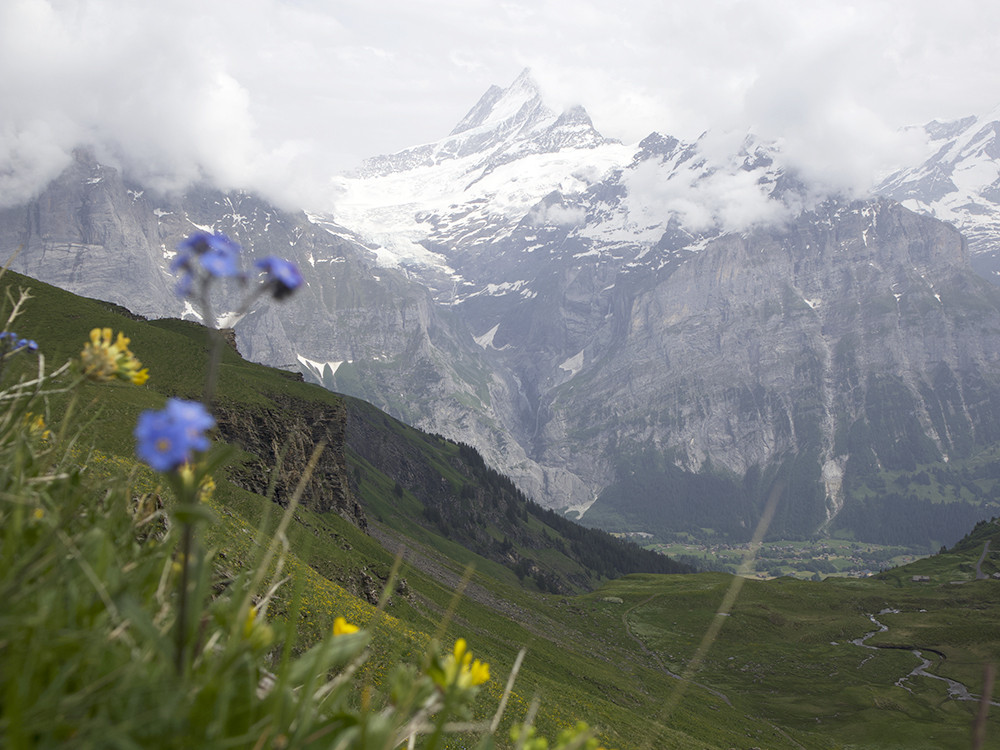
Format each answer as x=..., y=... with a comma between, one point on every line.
x=724, y=353
x=92, y=234
x=281, y=441
x=780, y=343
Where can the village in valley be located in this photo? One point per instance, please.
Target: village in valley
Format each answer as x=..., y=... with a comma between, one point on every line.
x=814, y=559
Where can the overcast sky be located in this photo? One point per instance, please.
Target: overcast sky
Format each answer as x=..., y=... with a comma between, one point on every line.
x=279, y=94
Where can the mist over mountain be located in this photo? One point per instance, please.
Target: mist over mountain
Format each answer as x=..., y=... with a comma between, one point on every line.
x=657, y=336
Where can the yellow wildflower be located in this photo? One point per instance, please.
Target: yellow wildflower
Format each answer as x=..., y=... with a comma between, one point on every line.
x=251, y=619
x=343, y=627
x=104, y=359
x=35, y=426
x=206, y=489
x=460, y=669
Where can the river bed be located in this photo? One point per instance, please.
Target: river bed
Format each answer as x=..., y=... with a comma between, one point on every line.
x=956, y=690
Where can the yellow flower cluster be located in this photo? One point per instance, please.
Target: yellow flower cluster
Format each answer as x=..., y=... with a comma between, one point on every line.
x=461, y=670
x=106, y=359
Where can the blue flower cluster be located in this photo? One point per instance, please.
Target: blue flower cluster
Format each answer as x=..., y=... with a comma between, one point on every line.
x=205, y=256
x=166, y=439
x=10, y=343
x=281, y=276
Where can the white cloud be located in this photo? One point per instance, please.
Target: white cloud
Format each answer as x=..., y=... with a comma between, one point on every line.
x=558, y=215
x=280, y=94
x=131, y=82
x=728, y=199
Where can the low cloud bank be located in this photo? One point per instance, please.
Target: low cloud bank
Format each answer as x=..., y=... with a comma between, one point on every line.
x=278, y=95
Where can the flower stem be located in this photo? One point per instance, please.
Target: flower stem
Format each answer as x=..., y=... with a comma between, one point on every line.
x=187, y=539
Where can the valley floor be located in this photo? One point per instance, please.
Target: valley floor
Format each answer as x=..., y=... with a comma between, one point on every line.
x=877, y=663
x=814, y=560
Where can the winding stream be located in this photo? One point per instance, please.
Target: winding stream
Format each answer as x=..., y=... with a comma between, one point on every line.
x=956, y=690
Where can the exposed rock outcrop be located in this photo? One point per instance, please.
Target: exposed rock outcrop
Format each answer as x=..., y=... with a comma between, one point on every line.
x=281, y=440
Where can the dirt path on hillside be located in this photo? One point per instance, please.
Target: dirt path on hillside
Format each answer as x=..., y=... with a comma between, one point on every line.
x=440, y=571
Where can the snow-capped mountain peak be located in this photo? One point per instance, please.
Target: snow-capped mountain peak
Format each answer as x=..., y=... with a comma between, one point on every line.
x=959, y=181
x=477, y=184
x=505, y=124
x=519, y=104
